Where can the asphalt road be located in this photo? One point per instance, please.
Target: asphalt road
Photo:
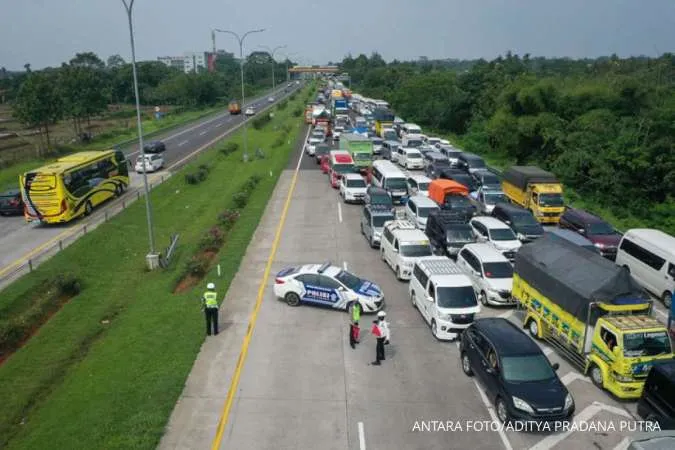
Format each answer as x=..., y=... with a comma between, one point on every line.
x=18, y=239
x=302, y=386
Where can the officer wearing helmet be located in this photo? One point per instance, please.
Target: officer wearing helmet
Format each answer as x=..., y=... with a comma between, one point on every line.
x=210, y=307
x=380, y=330
x=385, y=325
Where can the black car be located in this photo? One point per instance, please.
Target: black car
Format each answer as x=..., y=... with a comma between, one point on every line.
x=460, y=177
x=460, y=205
x=436, y=167
x=487, y=179
x=470, y=162
x=657, y=403
x=521, y=221
x=154, y=147
x=11, y=203
x=518, y=378
x=448, y=231
x=321, y=150
x=379, y=198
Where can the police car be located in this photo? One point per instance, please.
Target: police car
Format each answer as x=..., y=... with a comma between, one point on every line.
x=327, y=285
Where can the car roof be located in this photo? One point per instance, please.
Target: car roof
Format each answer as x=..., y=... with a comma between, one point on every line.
x=506, y=337
x=571, y=236
x=410, y=235
x=354, y=176
x=665, y=241
x=585, y=215
x=486, y=253
x=330, y=271
x=419, y=178
x=423, y=200
x=377, y=190
x=490, y=222
x=511, y=208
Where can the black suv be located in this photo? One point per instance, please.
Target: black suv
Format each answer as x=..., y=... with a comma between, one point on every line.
x=448, y=231
x=461, y=177
x=379, y=198
x=518, y=378
x=521, y=221
x=11, y=203
x=657, y=403
x=436, y=167
x=154, y=147
x=487, y=179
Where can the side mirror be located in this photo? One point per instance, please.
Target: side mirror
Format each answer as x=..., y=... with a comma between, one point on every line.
x=581, y=231
x=490, y=371
x=508, y=222
x=555, y=366
x=395, y=250
x=429, y=299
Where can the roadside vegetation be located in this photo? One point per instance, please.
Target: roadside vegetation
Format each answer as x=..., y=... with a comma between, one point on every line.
x=87, y=103
x=605, y=126
x=108, y=367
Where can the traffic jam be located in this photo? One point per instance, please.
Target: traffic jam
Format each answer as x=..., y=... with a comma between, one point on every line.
x=534, y=294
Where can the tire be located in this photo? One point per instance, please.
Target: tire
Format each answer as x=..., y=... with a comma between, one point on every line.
x=667, y=299
x=398, y=274
x=483, y=298
x=413, y=300
x=502, y=411
x=372, y=243
x=292, y=299
x=533, y=328
x=88, y=208
x=596, y=376
x=434, y=329
x=466, y=365
x=361, y=226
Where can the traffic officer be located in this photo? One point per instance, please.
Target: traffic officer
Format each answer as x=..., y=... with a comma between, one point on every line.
x=378, y=332
x=385, y=326
x=210, y=307
x=354, y=330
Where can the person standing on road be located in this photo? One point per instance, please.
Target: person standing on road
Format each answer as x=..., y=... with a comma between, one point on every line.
x=385, y=326
x=378, y=332
x=354, y=329
x=210, y=307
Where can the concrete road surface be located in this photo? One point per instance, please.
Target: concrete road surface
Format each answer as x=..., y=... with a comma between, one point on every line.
x=301, y=386
x=20, y=241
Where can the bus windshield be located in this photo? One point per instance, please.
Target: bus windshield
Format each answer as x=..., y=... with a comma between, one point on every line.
x=362, y=156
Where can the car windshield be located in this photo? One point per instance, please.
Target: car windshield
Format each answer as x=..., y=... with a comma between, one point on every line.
x=377, y=141
x=356, y=183
x=389, y=135
x=424, y=211
x=350, y=280
x=524, y=219
x=440, y=163
x=523, y=369
x=552, y=200
x=456, y=297
x=362, y=156
x=378, y=221
x=380, y=199
x=396, y=183
x=423, y=186
x=322, y=150
x=600, y=229
x=502, y=234
x=344, y=168
x=475, y=163
x=457, y=201
x=414, y=143
x=492, y=198
x=498, y=270
x=414, y=155
x=646, y=344
x=459, y=233
x=490, y=179
x=415, y=250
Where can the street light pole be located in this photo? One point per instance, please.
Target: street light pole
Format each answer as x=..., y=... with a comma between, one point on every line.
x=272, y=52
x=241, y=69
x=152, y=261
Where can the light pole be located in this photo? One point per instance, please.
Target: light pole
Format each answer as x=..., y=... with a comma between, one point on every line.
x=241, y=68
x=153, y=260
x=272, y=52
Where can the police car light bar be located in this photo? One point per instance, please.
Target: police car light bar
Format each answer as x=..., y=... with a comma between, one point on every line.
x=324, y=267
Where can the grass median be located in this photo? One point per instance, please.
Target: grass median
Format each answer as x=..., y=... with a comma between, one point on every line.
x=107, y=369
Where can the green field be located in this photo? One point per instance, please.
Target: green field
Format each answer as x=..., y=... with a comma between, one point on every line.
x=107, y=369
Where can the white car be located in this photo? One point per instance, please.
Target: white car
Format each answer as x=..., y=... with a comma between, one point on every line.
x=312, y=142
x=418, y=208
x=496, y=233
x=490, y=272
x=441, y=143
x=411, y=158
x=418, y=185
x=337, y=131
x=270, y=100
x=401, y=245
x=153, y=162
x=327, y=285
x=353, y=188
x=249, y=111
x=486, y=199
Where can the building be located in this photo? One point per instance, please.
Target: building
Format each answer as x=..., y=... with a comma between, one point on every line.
x=195, y=61
x=177, y=62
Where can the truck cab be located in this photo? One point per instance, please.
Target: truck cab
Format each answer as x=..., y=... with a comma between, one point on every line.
x=535, y=189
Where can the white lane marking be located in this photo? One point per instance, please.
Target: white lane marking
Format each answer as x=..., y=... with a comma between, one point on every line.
x=339, y=212
x=344, y=264
x=202, y=133
x=220, y=124
x=507, y=314
x=457, y=343
x=362, y=437
x=493, y=416
x=572, y=376
x=584, y=416
x=623, y=445
x=183, y=143
x=548, y=351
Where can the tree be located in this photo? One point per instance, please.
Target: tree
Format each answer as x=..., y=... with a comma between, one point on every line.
x=27, y=67
x=115, y=61
x=84, y=92
x=38, y=104
x=87, y=59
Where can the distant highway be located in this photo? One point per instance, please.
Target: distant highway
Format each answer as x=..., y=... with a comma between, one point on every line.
x=19, y=240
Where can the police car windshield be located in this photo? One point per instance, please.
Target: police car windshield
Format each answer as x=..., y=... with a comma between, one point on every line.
x=456, y=297
x=415, y=250
x=646, y=344
x=350, y=280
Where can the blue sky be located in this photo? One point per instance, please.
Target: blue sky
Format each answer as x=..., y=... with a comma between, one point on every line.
x=48, y=32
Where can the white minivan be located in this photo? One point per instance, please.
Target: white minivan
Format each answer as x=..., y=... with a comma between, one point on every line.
x=401, y=245
x=496, y=233
x=410, y=158
x=387, y=176
x=490, y=272
x=410, y=128
x=650, y=256
x=418, y=208
x=443, y=295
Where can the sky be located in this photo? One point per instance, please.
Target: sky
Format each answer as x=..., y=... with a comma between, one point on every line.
x=49, y=32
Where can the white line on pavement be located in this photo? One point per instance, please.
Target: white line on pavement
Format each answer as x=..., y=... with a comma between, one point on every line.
x=507, y=314
x=571, y=376
x=344, y=264
x=202, y=133
x=493, y=416
x=183, y=143
x=220, y=124
x=339, y=212
x=362, y=437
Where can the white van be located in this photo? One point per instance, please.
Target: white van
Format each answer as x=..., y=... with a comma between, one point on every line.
x=410, y=158
x=412, y=141
x=387, y=176
x=410, y=128
x=418, y=208
x=490, y=272
x=401, y=245
x=650, y=257
x=443, y=295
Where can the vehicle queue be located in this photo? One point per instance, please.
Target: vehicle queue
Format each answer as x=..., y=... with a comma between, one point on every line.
x=454, y=228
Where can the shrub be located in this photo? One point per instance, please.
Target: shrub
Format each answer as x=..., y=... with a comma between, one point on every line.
x=197, y=265
x=297, y=112
x=197, y=177
x=68, y=284
x=229, y=148
x=261, y=121
x=293, y=96
x=252, y=182
x=228, y=218
x=191, y=178
x=279, y=141
x=241, y=199
x=212, y=239
x=282, y=105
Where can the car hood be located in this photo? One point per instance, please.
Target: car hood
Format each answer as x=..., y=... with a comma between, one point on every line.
x=356, y=190
x=610, y=240
x=507, y=245
x=500, y=284
x=369, y=289
x=539, y=394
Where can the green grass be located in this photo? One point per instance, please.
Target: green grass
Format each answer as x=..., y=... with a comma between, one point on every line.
x=83, y=383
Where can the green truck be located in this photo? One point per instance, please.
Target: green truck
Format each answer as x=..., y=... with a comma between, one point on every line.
x=361, y=149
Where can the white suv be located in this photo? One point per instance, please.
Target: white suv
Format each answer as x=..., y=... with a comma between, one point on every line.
x=444, y=296
x=418, y=208
x=490, y=272
x=353, y=188
x=410, y=158
x=497, y=234
x=418, y=185
x=153, y=162
x=401, y=245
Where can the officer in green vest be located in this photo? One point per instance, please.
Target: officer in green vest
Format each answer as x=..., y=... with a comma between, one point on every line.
x=210, y=306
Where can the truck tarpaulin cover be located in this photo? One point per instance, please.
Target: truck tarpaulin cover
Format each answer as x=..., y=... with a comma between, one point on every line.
x=573, y=276
x=383, y=115
x=521, y=176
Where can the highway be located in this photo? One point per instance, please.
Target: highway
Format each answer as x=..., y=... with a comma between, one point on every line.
x=286, y=378
x=20, y=241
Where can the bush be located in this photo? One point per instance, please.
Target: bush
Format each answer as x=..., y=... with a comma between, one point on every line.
x=229, y=148
x=252, y=182
x=191, y=178
x=197, y=177
x=197, y=265
x=293, y=96
x=227, y=218
x=279, y=141
x=241, y=199
x=68, y=284
x=261, y=121
x=297, y=112
x=212, y=239
x=282, y=105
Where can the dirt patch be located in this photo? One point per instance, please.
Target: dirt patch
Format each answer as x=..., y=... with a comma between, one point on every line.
x=192, y=279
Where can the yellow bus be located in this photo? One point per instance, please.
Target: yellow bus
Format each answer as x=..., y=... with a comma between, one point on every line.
x=72, y=186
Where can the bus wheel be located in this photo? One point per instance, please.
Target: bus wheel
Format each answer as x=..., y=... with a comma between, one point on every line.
x=88, y=208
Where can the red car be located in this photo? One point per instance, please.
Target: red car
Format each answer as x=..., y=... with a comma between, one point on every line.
x=325, y=163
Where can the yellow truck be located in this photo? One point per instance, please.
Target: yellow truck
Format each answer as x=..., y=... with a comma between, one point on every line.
x=591, y=311
x=534, y=189
x=383, y=119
